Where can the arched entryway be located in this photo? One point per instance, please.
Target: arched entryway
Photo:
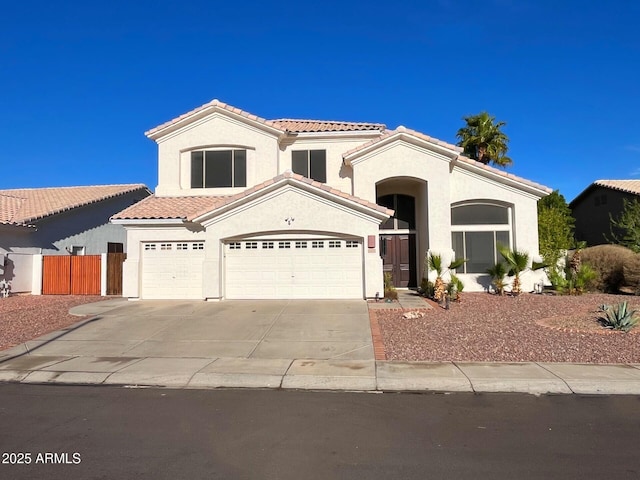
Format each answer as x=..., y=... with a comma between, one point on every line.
x=403, y=235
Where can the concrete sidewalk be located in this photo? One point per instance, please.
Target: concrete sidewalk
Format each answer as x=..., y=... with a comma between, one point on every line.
x=195, y=369
x=316, y=374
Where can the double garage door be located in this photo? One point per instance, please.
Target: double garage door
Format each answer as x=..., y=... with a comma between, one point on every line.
x=257, y=269
x=296, y=268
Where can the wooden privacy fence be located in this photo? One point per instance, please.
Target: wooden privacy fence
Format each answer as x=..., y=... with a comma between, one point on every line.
x=81, y=274
x=71, y=274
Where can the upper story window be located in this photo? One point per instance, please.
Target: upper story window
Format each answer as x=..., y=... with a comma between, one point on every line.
x=310, y=163
x=218, y=168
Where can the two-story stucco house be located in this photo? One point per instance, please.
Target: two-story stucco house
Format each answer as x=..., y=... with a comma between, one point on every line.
x=253, y=208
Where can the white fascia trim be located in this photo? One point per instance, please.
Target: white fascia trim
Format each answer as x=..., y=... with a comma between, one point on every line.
x=405, y=137
x=332, y=197
x=148, y=221
x=204, y=115
x=507, y=182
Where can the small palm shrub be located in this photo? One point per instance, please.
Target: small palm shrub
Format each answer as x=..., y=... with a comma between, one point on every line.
x=433, y=261
x=455, y=288
x=498, y=274
x=427, y=288
x=569, y=281
x=618, y=317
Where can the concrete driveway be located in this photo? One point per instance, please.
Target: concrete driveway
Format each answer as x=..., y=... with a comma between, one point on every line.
x=265, y=329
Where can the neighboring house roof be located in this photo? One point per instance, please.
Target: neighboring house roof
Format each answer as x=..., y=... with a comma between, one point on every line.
x=306, y=126
x=627, y=186
x=189, y=208
x=24, y=206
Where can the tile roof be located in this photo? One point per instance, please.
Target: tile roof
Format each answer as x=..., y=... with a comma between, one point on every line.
x=22, y=206
x=189, y=208
x=212, y=104
x=628, y=186
x=306, y=126
x=169, y=208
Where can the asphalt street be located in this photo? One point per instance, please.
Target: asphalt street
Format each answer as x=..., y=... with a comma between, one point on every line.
x=72, y=432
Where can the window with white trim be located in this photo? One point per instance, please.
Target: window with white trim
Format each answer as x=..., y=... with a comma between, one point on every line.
x=334, y=243
x=310, y=163
x=182, y=246
x=477, y=228
x=251, y=245
x=317, y=244
x=284, y=244
x=234, y=246
x=351, y=244
x=301, y=244
x=165, y=246
x=198, y=246
x=267, y=245
x=150, y=246
x=218, y=168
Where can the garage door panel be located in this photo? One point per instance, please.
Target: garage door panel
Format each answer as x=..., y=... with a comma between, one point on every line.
x=294, y=272
x=172, y=273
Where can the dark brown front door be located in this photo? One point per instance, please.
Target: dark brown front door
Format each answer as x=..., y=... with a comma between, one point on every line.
x=399, y=258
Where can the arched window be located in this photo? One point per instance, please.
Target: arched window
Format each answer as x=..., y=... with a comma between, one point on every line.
x=476, y=230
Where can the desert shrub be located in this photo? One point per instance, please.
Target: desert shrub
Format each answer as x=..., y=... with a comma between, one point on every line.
x=631, y=273
x=390, y=291
x=427, y=288
x=618, y=317
x=568, y=281
x=608, y=261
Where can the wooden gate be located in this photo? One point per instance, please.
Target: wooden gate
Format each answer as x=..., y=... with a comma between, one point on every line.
x=71, y=275
x=114, y=273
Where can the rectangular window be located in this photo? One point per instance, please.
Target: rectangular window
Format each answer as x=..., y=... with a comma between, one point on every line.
x=251, y=245
x=351, y=244
x=317, y=244
x=267, y=245
x=284, y=244
x=334, y=243
x=310, y=163
x=234, y=246
x=150, y=246
x=165, y=246
x=198, y=246
x=479, y=248
x=301, y=244
x=182, y=246
x=219, y=168
x=115, y=247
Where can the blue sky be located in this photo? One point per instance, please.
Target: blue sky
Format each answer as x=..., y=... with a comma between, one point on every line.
x=80, y=82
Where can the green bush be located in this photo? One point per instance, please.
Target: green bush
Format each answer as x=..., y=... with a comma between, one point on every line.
x=568, y=282
x=427, y=288
x=618, y=317
x=608, y=261
x=390, y=292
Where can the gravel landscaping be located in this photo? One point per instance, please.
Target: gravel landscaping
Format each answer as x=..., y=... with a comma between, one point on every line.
x=526, y=328
x=25, y=317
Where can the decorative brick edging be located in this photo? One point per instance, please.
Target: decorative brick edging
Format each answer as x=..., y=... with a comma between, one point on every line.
x=376, y=336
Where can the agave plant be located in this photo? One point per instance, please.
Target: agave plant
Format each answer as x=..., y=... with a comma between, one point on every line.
x=618, y=317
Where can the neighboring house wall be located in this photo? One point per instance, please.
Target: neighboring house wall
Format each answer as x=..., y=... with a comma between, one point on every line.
x=18, y=269
x=592, y=211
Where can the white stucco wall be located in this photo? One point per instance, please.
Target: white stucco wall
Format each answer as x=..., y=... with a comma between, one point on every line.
x=214, y=131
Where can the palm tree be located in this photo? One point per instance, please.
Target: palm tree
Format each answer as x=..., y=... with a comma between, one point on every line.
x=483, y=140
x=518, y=262
x=434, y=262
x=498, y=273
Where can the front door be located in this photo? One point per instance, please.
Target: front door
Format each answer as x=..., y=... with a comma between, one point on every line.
x=399, y=258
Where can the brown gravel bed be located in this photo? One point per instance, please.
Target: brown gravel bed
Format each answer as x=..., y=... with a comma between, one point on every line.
x=526, y=328
x=25, y=317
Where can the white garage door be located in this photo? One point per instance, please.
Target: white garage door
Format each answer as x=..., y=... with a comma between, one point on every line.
x=172, y=270
x=315, y=268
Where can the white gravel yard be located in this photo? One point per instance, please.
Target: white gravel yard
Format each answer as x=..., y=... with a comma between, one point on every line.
x=25, y=317
x=526, y=328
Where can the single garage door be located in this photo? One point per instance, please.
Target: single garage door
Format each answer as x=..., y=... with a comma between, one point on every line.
x=172, y=270
x=296, y=268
